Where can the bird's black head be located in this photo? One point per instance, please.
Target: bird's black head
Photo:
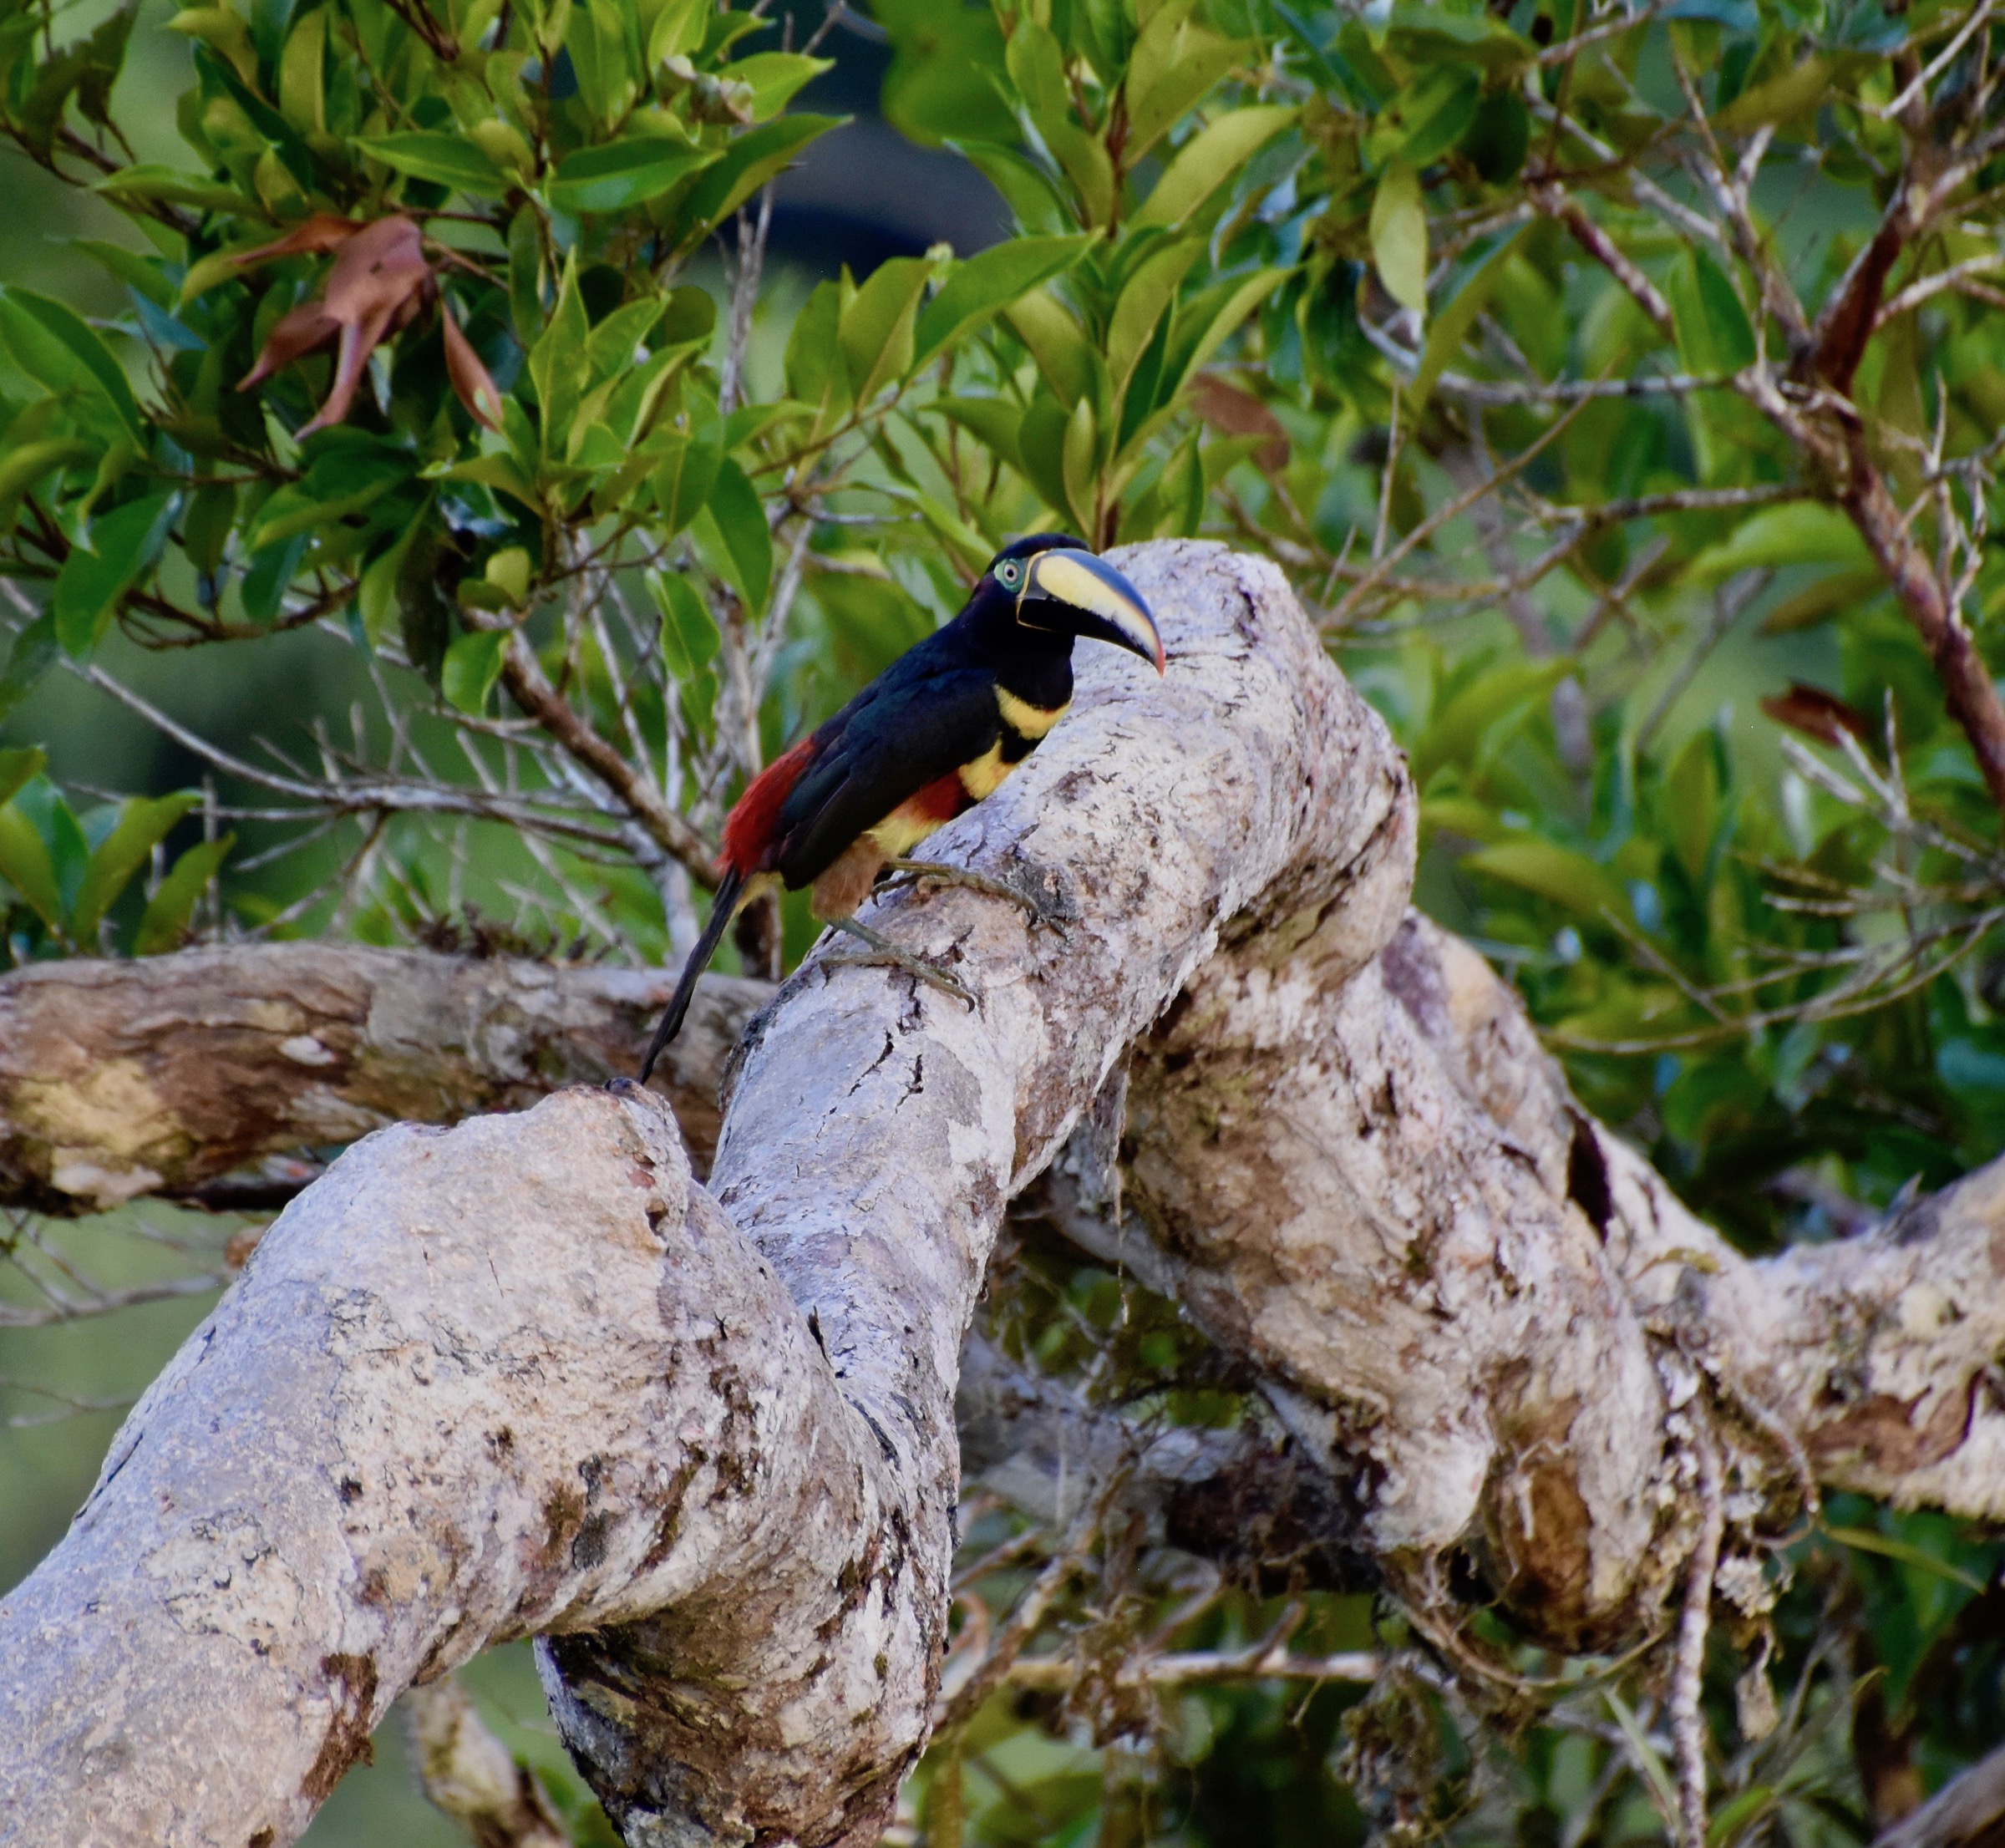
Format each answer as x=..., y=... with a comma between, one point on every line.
x=1057, y=586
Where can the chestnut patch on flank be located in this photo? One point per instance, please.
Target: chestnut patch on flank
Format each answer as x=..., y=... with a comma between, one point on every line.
x=353, y=1680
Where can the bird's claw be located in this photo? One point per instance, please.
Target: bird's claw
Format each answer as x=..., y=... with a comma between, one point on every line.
x=880, y=951
x=946, y=875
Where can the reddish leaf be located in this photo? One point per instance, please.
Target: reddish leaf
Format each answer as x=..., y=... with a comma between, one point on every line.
x=306, y=330
x=314, y=236
x=1232, y=412
x=379, y=282
x=1816, y=713
x=470, y=379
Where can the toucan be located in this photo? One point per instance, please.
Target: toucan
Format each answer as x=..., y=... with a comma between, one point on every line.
x=935, y=732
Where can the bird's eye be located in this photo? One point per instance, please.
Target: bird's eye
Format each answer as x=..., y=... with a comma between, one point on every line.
x=1007, y=573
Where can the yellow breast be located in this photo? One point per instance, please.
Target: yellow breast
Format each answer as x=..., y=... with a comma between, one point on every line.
x=984, y=776
x=1025, y=719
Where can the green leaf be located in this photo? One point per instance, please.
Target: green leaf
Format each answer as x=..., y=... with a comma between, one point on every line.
x=524, y=277
x=987, y=283
x=1079, y=466
x=992, y=421
x=689, y=637
x=302, y=74
x=1714, y=332
x=1205, y=322
x=603, y=59
x=376, y=595
x=815, y=373
x=1143, y=300
x=1554, y=872
x=1028, y=190
x=740, y=518
x=775, y=77
x=1427, y=118
x=1036, y=62
x=163, y=926
x=685, y=476
x=1815, y=602
x=746, y=165
x=22, y=468
x=1056, y=341
x=1755, y=1802
x=57, y=349
x=1041, y=446
x=34, y=652
x=1798, y=91
x=560, y=362
x=26, y=865
x=1798, y=532
x=1498, y=137
x=941, y=83
x=142, y=822
x=170, y=186
x=17, y=765
x=1904, y=1551
x=1174, y=62
x=446, y=160
x=624, y=173
x=1451, y=326
x=1456, y=732
x=874, y=331
x=1399, y=232
x=615, y=339
x=124, y=543
x=677, y=29
x=1208, y=160
x=142, y=275
x=206, y=530
x=473, y=664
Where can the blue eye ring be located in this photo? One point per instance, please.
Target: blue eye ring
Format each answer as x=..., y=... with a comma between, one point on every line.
x=1009, y=573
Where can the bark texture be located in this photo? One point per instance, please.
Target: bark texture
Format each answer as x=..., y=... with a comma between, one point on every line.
x=1480, y=1309
x=525, y=1375
x=164, y=1075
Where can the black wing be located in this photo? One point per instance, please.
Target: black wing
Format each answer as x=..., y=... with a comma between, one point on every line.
x=918, y=720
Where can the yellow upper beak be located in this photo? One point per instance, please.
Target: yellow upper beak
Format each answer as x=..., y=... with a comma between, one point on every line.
x=1112, y=608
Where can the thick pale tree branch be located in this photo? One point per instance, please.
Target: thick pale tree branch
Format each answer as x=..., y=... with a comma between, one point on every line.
x=523, y=1375
x=163, y=1076
x=1377, y=1188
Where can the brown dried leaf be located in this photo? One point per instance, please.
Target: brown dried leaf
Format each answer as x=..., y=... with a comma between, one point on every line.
x=1232, y=412
x=315, y=236
x=471, y=380
x=379, y=282
x=1816, y=713
x=307, y=329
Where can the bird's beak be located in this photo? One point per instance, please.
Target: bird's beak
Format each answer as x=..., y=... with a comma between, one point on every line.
x=1107, y=608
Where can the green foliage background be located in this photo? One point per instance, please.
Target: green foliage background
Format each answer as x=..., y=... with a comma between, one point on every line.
x=1294, y=277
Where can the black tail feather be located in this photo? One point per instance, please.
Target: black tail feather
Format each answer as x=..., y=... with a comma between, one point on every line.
x=721, y=913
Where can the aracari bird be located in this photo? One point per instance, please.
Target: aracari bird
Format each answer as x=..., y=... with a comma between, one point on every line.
x=931, y=736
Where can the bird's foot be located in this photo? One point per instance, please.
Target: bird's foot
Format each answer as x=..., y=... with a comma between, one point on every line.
x=945, y=874
x=881, y=951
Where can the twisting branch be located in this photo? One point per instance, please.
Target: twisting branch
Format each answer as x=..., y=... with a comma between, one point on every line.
x=1687, y=1723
